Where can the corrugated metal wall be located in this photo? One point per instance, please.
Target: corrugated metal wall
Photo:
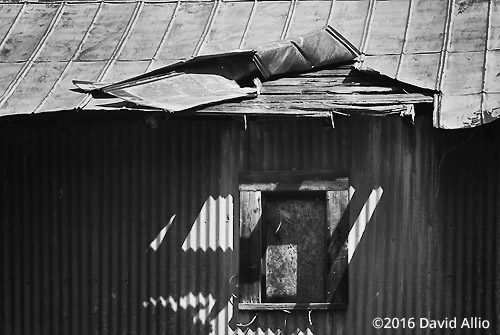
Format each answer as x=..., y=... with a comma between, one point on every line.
x=81, y=202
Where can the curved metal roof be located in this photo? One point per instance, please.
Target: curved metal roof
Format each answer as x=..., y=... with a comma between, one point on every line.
x=452, y=47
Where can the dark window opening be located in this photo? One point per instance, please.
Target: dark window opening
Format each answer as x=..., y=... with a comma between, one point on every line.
x=293, y=241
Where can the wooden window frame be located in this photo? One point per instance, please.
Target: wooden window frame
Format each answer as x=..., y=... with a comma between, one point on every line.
x=251, y=187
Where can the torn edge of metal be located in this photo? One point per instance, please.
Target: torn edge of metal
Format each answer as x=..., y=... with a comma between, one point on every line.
x=190, y=84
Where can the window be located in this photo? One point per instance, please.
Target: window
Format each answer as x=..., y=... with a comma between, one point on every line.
x=293, y=248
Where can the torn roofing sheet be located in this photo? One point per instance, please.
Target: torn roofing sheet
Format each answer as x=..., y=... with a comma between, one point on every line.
x=450, y=46
x=209, y=79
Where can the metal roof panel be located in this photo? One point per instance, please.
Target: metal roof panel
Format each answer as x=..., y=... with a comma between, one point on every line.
x=427, y=43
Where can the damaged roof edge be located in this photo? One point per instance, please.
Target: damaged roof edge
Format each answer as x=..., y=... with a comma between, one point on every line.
x=208, y=79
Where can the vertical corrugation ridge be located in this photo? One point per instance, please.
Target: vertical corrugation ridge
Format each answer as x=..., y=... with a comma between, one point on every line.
x=405, y=38
x=72, y=59
x=208, y=27
x=31, y=60
x=249, y=21
x=116, y=53
x=164, y=38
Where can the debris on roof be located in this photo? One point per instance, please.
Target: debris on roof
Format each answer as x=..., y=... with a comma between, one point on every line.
x=208, y=79
x=449, y=47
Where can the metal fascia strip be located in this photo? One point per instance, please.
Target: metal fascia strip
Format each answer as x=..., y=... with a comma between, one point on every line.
x=208, y=27
x=405, y=38
x=34, y=55
x=18, y=16
x=164, y=38
x=73, y=57
x=443, y=61
x=245, y=32
x=119, y=47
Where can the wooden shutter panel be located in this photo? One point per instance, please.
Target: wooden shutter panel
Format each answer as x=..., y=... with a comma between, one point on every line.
x=337, y=261
x=250, y=246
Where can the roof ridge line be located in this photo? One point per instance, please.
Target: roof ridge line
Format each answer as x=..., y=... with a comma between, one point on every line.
x=34, y=55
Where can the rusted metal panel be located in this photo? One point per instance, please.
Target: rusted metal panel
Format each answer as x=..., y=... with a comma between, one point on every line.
x=21, y=39
x=311, y=14
x=106, y=32
x=149, y=31
x=68, y=34
x=82, y=201
x=229, y=26
x=388, y=27
x=424, y=43
x=186, y=30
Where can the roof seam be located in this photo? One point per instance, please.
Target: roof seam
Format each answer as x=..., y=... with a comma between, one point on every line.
x=366, y=28
x=31, y=60
x=18, y=16
x=286, y=27
x=486, y=47
x=208, y=27
x=118, y=49
x=332, y=7
x=72, y=59
x=405, y=38
x=164, y=38
x=443, y=60
x=245, y=32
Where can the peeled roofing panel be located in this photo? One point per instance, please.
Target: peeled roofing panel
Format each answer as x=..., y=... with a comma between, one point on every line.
x=387, y=29
x=459, y=111
x=33, y=89
x=492, y=79
x=308, y=16
x=468, y=31
x=7, y=73
x=27, y=32
x=148, y=32
x=420, y=70
x=464, y=73
x=186, y=30
x=349, y=18
x=427, y=26
x=8, y=15
x=228, y=27
x=69, y=32
x=267, y=23
x=106, y=31
x=62, y=97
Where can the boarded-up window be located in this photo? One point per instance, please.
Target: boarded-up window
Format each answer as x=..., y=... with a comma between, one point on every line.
x=293, y=250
